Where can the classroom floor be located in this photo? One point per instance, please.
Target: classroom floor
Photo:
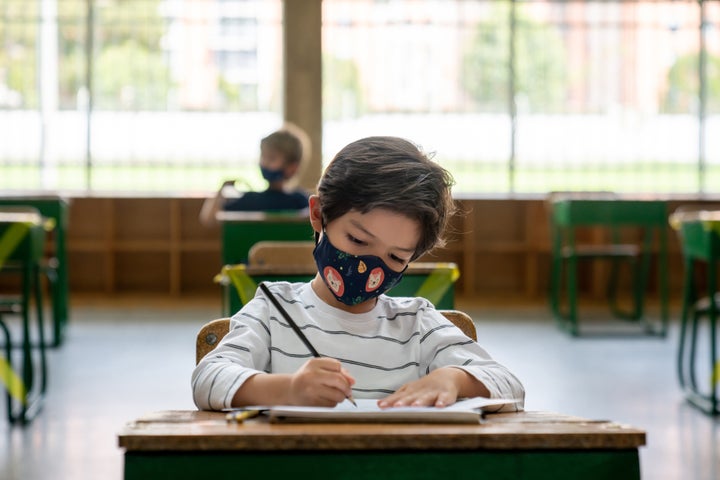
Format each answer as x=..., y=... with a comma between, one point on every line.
x=127, y=356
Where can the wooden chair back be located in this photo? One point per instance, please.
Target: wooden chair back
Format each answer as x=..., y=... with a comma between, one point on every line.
x=212, y=332
x=269, y=253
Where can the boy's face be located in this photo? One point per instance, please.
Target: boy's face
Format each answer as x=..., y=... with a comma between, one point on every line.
x=272, y=159
x=391, y=236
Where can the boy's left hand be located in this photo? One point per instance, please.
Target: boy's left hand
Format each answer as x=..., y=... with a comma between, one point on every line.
x=439, y=388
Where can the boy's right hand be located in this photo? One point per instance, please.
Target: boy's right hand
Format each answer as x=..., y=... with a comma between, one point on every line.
x=320, y=382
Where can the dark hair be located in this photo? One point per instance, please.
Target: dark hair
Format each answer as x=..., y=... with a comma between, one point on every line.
x=390, y=173
x=286, y=143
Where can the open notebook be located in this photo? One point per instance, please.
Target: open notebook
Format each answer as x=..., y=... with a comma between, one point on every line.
x=465, y=411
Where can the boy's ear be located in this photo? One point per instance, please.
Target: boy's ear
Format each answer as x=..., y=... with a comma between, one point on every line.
x=315, y=213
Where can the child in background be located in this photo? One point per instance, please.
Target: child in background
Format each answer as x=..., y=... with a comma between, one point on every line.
x=381, y=203
x=282, y=154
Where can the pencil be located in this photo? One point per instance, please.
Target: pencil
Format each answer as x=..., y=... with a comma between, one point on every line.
x=295, y=328
x=241, y=416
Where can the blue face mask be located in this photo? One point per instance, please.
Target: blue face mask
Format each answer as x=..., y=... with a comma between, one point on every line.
x=353, y=279
x=272, y=175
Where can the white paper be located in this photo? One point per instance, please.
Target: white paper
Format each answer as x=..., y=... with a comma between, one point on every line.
x=465, y=411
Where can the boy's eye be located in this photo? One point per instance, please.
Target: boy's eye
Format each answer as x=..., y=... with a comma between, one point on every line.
x=355, y=240
x=397, y=259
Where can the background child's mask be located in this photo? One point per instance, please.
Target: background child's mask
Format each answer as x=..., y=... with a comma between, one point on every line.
x=272, y=175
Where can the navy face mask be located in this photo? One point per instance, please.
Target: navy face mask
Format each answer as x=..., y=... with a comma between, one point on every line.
x=272, y=175
x=353, y=279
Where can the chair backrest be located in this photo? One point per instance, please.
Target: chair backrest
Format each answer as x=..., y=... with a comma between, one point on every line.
x=281, y=253
x=20, y=238
x=698, y=229
x=212, y=332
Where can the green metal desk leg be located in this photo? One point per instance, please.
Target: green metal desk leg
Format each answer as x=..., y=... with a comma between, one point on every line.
x=688, y=298
x=31, y=284
x=41, y=332
x=572, y=325
x=555, y=277
x=713, y=312
x=27, y=368
x=61, y=292
x=8, y=356
x=663, y=277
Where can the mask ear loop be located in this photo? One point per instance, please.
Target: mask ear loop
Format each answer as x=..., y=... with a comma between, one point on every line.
x=317, y=234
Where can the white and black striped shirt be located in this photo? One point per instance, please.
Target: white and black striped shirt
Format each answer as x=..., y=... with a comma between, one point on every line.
x=398, y=341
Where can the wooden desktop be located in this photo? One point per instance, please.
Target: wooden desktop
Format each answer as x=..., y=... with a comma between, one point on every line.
x=527, y=445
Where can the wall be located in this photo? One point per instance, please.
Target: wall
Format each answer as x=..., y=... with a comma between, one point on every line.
x=157, y=245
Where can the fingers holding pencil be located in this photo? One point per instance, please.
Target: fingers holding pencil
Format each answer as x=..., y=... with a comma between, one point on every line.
x=322, y=382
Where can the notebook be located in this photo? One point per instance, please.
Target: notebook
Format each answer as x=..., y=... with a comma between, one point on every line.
x=465, y=411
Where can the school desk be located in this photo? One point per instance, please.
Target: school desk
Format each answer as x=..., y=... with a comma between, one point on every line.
x=700, y=241
x=434, y=281
x=58, y=209
x=515, y=446
x=242, y=230
x=569, y=214
x=22, y=241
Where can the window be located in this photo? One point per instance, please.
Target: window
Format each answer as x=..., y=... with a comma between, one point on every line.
x=139, y=95
x=532, y=96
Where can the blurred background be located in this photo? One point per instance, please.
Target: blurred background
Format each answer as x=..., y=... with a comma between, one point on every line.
x=512, y=96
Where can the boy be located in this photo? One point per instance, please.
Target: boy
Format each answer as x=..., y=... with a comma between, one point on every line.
x=281, y=158
x=380, y=204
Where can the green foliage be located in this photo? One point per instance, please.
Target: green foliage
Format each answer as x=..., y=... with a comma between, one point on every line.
x=18, y=61
x=342, y=94
x=129, y=76
x=682, y=94
x=540, y=71
x=129, y=69
x=130, y=72
x=119, y=20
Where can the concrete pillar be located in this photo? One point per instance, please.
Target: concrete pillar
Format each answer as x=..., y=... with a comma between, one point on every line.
x=302, y=85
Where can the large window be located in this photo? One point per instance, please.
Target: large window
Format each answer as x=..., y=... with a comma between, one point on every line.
x=169, y=95
x=533, y=96
x=512, y=96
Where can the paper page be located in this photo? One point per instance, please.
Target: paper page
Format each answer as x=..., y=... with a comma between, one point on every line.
x=465, y=411
x=366, y=405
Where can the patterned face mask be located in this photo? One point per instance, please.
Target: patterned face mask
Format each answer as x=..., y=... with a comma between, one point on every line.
x=353, y=279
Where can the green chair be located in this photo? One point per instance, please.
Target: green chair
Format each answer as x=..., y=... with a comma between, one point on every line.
x=700, y=241
x=572, y=212
x=22, y=238
x=242, y=230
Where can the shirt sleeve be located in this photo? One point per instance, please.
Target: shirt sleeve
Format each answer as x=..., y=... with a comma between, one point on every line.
x=242, y=353
x=442, y=344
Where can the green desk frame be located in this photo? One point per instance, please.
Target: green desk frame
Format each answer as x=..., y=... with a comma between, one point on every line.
x=429, y=465
x=700, y=241
x=569, y=214
x=58, y=209
x=23, y=405
x=411, y=282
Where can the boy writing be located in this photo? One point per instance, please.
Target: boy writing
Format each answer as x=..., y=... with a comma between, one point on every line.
x=380, y=204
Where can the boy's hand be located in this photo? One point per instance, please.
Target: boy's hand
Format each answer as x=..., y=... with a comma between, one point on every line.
x=321, y=382
x=439, y=388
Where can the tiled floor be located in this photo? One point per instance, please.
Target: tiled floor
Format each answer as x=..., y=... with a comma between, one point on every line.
x=125, y=357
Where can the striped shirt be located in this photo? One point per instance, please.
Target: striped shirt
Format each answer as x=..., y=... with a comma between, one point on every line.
x=400, y=340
